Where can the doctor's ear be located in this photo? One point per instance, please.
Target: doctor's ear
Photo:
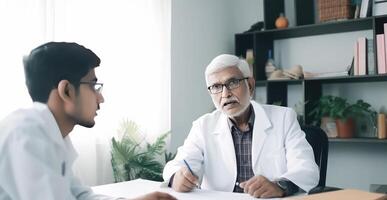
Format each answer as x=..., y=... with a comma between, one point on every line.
x=251, y=84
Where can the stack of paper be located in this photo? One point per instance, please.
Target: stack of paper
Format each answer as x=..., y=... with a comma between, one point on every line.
x=135, y=188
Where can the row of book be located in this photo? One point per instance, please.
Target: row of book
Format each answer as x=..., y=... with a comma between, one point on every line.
x=381, y=50
x=364, y=57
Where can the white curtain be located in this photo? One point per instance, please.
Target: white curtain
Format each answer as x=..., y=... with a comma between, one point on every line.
x=132, y=38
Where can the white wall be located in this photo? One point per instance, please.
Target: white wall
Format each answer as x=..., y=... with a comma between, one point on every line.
x=201, y=30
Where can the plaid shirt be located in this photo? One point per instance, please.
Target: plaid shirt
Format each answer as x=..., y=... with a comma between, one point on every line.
x=242, y=144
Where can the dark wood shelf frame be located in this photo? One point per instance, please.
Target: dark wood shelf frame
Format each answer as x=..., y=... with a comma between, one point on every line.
x=327, y=80
x=357, y=140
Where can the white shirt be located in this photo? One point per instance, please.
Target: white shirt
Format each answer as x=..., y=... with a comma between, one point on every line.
x=36, y=161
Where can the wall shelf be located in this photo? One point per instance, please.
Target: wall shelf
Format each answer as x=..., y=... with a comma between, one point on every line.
x=328, y=80
x=357, y=140
x=351, y=79
x=317, y=29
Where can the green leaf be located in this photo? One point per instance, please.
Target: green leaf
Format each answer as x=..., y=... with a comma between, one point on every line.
x=133, y=157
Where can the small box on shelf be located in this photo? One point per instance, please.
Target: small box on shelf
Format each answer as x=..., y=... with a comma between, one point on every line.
x=382, y=126
x=334, y=10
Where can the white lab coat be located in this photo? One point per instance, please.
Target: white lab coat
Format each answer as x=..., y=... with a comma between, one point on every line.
x=36, y=161
x=279, y=150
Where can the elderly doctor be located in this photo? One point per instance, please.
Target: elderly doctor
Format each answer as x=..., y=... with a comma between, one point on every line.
x=242, y=146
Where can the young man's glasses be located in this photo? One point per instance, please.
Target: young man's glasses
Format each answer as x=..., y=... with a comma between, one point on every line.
x=97, y=87
x=230, y=85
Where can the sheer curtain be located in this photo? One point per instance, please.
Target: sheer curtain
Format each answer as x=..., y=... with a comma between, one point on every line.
x=132, y=38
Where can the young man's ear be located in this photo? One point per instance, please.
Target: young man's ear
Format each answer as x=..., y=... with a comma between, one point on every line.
x=65, y=90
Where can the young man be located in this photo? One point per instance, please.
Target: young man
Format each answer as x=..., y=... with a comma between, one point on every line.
x=243, y=146
x=36, y=152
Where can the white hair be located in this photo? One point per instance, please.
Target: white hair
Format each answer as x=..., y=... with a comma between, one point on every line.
x=226, y=60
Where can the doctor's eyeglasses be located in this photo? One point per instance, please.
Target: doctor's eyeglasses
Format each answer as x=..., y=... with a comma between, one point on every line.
x=97, y=87
x=230, y=85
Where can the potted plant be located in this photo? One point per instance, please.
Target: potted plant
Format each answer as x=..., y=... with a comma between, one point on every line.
x=344, y=113
x=321, y=115
x=347, y=114
x=133, y=157
x=322, y=108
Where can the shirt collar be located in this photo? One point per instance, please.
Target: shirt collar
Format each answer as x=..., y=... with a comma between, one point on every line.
x=231, y=124
x=53, y=131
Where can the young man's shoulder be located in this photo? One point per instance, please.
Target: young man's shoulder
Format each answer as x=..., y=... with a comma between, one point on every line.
x=21, y=117
x=20, y=123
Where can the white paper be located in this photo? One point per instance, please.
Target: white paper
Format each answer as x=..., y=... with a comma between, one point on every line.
x=135, y=188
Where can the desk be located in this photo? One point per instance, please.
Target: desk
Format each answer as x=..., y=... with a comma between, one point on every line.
x=138, y=187
x=135, y=188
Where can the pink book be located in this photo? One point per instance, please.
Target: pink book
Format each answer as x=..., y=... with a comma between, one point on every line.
x=362, y=55
x=381, y=53
x=385, y=41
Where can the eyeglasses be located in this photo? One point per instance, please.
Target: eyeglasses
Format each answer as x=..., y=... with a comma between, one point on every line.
x=230, y=85
x=97, y=87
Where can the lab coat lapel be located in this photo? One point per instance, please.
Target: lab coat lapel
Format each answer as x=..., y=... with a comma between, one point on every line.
x=261, y=124
x=223, y=132
x=53, y=132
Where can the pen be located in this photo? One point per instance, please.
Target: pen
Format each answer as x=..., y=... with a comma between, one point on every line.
x=189, y=168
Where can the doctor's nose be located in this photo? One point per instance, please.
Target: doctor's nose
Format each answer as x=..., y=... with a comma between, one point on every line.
x=226, y=92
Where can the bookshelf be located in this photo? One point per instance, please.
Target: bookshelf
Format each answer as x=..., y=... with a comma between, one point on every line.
x=277, y=90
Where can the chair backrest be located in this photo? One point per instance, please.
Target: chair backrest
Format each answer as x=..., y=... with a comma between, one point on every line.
x=318, y=139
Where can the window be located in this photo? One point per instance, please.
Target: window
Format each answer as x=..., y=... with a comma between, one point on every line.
x=132, y=38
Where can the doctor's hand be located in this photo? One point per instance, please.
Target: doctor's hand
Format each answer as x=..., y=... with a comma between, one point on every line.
x=261, y=187
x=156, y=196
x=184, y=180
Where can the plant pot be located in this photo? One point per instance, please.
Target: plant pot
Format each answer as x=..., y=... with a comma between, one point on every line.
x=328, y=124
x=345, y=128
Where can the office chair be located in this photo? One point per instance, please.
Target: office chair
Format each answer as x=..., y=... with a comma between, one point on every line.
x=318, y=139
x=319, y=142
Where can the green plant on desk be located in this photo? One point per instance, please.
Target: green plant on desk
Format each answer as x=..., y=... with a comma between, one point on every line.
x=133, y=157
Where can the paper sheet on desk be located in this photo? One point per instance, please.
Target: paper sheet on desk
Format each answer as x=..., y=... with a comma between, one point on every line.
x=131, y=189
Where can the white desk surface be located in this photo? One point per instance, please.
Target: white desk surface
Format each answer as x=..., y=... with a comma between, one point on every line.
x=138, y=187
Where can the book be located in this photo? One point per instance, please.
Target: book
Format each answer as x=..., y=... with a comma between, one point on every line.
x=381, y=53
x=362, y=55
x=371, y=57
x=351, y=68
x=346, y=72
x=365, y=8
x=385, y=42
x=356, y=59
